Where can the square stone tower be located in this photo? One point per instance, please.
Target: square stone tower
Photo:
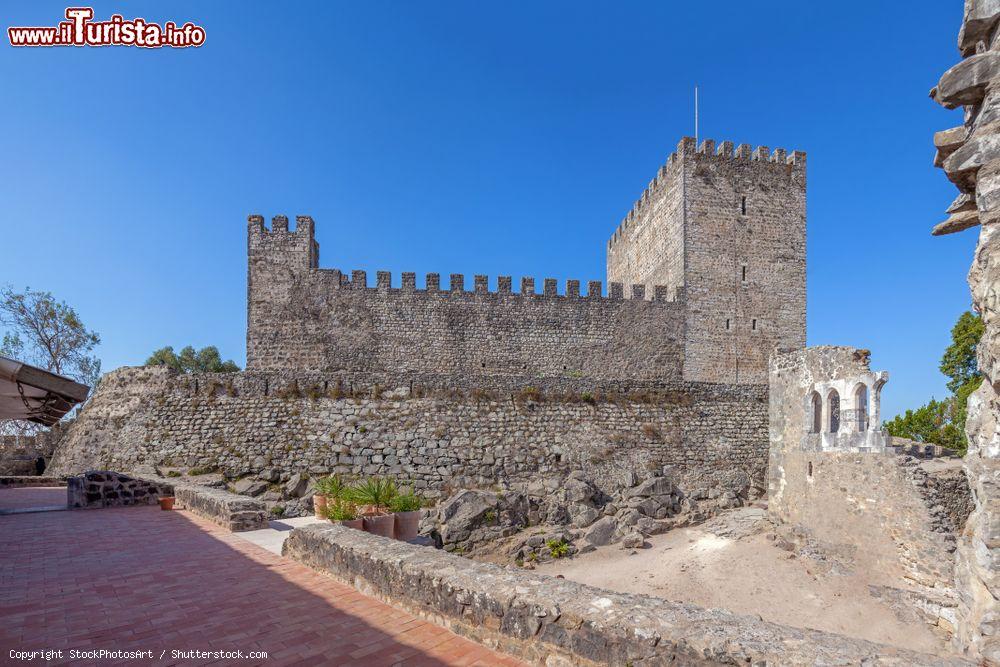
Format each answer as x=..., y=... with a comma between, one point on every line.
x=730, y=229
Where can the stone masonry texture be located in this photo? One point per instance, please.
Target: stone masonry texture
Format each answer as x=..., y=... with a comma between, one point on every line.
x=707, y=278
x=439, y=437
x=728, y=230
x=552, y=621
x=970, y=157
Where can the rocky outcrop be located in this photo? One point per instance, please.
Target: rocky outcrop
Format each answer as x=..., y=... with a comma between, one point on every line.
x=568, y=515
x=971, y=159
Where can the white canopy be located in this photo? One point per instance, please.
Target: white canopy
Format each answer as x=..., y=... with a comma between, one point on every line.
x=36, y=395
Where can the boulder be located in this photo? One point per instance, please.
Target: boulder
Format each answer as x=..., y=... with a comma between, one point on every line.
x=270, y=475
x=580, y=491
x=582, y=516
x=464, y=512
x=655, y=486
x=601, y=532
x=633, y=540
x=296, y=486
x=250, y=487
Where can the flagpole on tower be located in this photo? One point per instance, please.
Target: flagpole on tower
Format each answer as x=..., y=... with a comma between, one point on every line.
x=696, y=115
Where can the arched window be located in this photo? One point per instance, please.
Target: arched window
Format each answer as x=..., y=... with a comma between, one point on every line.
x=834, y=401
x=816, y=404
x=861, y=406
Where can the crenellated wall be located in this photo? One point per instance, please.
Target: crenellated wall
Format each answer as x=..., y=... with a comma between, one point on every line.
x=707, y=278
x=304, y=317
x=726, y=229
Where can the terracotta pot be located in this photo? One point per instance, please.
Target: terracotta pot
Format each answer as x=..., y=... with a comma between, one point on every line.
x=319, y=505
x=359, y=524
x=407, y=525
x=167, y=503
x=381, y=524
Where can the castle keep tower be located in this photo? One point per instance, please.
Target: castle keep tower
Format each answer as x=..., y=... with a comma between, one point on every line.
x=730, y=230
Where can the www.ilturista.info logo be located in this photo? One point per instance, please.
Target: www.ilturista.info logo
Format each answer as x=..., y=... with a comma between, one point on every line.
x=79, y=30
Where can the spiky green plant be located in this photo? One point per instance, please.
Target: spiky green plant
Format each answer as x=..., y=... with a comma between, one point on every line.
x=405, y=502
x=341, y=510
x=376, y=492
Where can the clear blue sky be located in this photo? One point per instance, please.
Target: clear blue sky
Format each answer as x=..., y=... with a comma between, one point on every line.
x=497, y=138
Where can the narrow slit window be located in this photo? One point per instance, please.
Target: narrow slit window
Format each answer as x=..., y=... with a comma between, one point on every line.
x=754, y=325
x=743, y=205
x=727, y=325
x=744, y=273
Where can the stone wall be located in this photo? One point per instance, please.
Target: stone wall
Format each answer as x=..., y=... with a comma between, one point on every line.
x=891, y=514
x=553, y=621
x=970, y=156
x=728, y=228
x=437, y=436
x=20, y=455
x=307, y=318
x=103, y=488
x=231, y=511
x=14, y=482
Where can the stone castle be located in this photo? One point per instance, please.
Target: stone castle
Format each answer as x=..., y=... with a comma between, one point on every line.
x=706, y=278
x=445, y=388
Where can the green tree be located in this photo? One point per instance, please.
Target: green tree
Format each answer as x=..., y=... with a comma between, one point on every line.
x=943, y=422
x=205, y=360
x=48, y=334
x=959, y=360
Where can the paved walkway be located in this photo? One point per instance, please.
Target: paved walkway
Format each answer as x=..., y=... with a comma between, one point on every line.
x=138, y=578
x=273, y=537
x=26, y=497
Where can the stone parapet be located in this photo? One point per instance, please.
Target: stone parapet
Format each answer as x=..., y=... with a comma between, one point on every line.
x=232, y=511
x=550, y=621
x=18, y=481
x=103, y=488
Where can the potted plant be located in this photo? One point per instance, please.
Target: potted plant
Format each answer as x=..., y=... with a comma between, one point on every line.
x=374, y=496
x=344, y=513
x=406, y=509
x=327, y=488
x=166, y=502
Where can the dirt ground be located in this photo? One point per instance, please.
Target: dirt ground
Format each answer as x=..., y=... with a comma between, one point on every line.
x=731, y=563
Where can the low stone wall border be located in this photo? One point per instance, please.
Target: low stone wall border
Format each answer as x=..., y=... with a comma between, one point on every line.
x=551, y=621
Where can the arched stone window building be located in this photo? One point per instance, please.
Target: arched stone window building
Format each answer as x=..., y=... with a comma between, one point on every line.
x=833, y=401
x=861, y=406
x=816, y=411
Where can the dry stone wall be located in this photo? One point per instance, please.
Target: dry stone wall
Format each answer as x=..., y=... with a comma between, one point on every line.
x=436, y=436
x=970, y=157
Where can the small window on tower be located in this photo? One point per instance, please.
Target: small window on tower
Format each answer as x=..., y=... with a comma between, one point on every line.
x=727, y=325
x=744, y=273
x=743, y=205
x=754, y=325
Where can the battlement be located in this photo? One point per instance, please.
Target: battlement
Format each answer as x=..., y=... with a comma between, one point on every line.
x=358, y=280
x=725, y=151
x=304, y=225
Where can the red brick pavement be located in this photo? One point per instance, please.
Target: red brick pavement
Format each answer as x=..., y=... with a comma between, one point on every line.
x=32, y=496
x=139, y=578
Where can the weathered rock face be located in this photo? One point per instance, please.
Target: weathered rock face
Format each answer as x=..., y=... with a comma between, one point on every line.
x=971, y=159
